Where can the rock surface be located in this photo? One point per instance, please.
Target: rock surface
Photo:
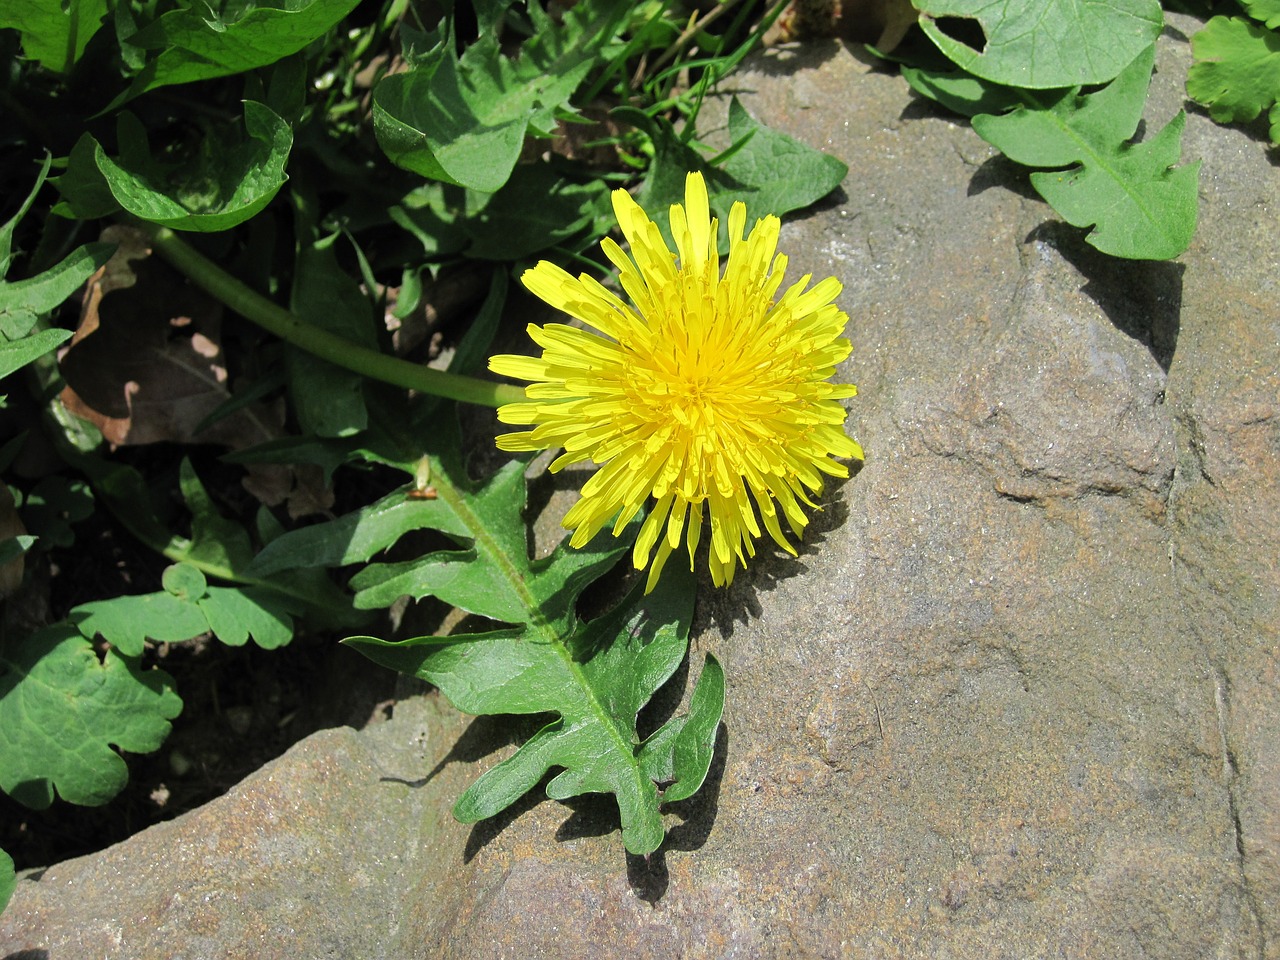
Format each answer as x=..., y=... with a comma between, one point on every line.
x=1018, y=697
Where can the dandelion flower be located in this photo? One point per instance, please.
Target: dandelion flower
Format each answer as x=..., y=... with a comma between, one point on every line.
x=707, y=395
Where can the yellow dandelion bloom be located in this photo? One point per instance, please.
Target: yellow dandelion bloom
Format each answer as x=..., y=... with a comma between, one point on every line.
x=709, y=394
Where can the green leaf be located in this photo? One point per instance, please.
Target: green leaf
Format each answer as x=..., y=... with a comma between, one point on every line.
x=62, y=710
x=25, y=301
x=54, y=32
x=231, y=179
x=17, y=354
x=536, y=208
x=1268, y=11
x=1236, y=73
x=771, y=172
x=1038, y=44
x=777, y=173
x=195, y=43
x=463, y=119
x=8, y=880
x=328, y=400
x=595, y=676
x=1139, y=207
x=127, y=622
x=188, y=608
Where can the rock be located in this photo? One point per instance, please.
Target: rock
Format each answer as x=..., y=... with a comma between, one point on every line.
x=1018, y=696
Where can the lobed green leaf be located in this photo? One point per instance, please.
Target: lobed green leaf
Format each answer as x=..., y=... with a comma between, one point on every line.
x=1138, y=205
x=62, y=710
x=1236, y=73
x=188, y=608
x=595, y=676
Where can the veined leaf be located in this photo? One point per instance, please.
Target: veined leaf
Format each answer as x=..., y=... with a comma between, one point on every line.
x=193, y=43
x=329, y=400
x=770, y=171
x=188, y=608
x=1138, y=205
x=595, y=676
x=463, y=119
x=1236, y=73
x=23, y=302
x=231, y=180
x=62, y=709
x=1039, y=44
x=54, y=32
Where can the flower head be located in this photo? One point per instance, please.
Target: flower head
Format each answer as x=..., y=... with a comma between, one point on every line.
x=709, y=394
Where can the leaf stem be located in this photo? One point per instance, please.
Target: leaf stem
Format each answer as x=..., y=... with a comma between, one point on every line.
x=327, y=346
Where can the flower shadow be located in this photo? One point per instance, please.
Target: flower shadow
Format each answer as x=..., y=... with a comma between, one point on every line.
x=724, y=609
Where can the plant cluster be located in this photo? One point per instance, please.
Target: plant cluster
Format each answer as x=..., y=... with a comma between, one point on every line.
x=1061, y=87
x=356, y=183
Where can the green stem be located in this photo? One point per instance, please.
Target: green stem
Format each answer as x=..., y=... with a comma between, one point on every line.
x=327, y=346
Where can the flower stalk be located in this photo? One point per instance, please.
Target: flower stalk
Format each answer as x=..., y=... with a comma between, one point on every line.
x=337, y=350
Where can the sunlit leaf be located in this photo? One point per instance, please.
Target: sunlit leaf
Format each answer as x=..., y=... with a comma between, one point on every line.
x=231, y=179
x=196, y=43
x=1040, y=44
x=1138, y=205
x=1236, y=73
x=63, y=710
x=54, y=32
x=463, y=119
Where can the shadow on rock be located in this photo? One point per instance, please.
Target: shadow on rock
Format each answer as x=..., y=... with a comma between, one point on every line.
x=726, y=608
x=1000, y=171
x=483, y=736
x=488, y=829
x=1142, y=298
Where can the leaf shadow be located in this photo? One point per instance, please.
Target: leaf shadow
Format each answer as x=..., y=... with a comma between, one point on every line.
x=999, y=171
x=1141, y=298
x=648, y=876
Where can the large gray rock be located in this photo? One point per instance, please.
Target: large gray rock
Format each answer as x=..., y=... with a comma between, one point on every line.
x=1018, y=697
